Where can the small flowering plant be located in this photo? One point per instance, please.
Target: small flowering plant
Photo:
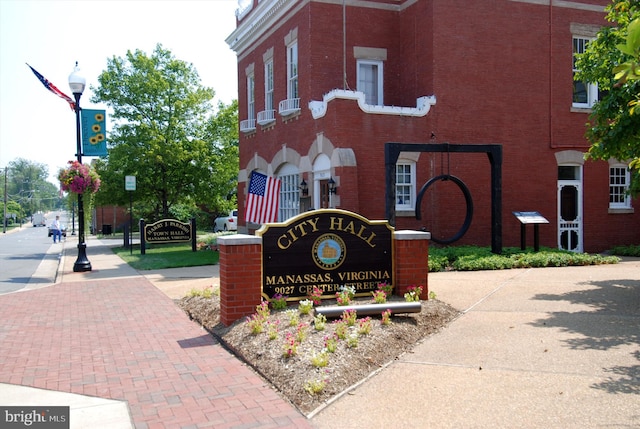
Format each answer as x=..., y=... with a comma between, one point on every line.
x=364, y=326
x=413, y=293
x=316, y=296
x=386, y=288
x=349, y=317
x=331, y=343
x=386, y=317
x=290, y=345
x=345, y=295
x=79, y=178
x=279, y=302
x=319, y=322
x=379, y=297
x=305, y=306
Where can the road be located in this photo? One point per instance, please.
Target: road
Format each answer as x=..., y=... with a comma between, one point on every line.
x=28, y=256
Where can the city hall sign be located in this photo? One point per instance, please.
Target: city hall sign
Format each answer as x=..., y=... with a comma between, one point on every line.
x=328, y=249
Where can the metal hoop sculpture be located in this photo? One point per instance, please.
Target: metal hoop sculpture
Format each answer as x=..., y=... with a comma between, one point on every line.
x=467, y=198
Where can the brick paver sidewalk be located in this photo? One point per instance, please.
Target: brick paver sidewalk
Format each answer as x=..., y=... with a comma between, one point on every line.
x=123, y=339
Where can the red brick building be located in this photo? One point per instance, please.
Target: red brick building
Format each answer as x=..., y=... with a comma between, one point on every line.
x=325, y=84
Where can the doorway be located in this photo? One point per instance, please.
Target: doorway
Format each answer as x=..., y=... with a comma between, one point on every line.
x=570, y=208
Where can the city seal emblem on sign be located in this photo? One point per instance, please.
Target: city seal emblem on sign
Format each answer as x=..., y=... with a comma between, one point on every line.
x=329, y=251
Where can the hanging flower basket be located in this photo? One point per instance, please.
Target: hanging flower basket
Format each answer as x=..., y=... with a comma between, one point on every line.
x=79, y=178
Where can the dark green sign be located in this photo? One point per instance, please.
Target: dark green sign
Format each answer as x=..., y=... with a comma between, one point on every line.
x=167, y=231
x=328, y=249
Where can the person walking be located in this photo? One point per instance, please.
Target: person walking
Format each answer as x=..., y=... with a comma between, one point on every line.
x=56, y=230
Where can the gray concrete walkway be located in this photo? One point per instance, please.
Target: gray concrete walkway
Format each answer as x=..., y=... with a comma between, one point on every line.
x=535, y=348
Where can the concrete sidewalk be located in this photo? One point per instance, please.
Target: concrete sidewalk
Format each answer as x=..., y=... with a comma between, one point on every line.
x=534, y=348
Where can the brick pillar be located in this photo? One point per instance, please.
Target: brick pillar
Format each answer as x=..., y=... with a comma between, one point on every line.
x=240, y=276
x=412, y=261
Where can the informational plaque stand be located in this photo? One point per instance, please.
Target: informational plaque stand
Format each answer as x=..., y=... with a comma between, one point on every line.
x=526, y=218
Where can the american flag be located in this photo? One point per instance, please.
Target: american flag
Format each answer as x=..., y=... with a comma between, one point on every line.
x=51, y=87
x=262, y=201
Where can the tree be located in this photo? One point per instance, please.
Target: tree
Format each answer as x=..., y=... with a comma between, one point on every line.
x=27, y=185
x=611, y=61
x=222, y=130
x=160, y=111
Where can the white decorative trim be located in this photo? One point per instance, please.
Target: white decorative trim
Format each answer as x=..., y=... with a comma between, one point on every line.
x=319, y=108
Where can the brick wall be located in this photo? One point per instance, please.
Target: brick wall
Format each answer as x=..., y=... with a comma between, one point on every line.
x=240, y=276
x=241, y=270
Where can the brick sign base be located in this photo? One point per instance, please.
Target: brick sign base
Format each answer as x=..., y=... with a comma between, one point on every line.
x=241, y=271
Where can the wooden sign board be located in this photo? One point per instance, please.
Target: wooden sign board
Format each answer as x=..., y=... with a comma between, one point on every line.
x=328, y=249
x=168, y=231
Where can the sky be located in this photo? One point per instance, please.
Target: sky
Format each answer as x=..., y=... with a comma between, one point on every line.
x=51, y=35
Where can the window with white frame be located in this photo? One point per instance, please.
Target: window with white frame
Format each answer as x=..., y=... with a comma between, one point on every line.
x=619, y=179
x=292, y=70
x=251, y=105
x=268, y=85
x=405, y=185
x=585, y=94
x=289, y=193
x=370, y=81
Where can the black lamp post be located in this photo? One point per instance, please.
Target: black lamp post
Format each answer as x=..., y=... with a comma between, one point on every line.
x=77, y=83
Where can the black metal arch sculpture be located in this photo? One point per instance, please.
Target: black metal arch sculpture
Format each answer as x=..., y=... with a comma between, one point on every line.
x=467, y=198
x=493, y=151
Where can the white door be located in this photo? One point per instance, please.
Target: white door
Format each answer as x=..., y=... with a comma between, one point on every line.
x=570, y=208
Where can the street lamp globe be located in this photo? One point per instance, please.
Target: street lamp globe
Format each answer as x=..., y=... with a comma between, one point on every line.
x=77, y=81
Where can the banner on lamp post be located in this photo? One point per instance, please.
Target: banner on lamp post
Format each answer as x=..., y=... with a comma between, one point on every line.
x=94, y=132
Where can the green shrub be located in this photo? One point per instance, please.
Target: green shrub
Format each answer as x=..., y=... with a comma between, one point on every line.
x=626, y=251
x=473, y=258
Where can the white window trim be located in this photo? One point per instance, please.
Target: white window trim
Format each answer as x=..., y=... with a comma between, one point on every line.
x=380, y=64
x=251, y=101
x=592, y=88
x=291, y=77
x=268, y=86
x=626, y=204
x=412, y=205
x=289, y=193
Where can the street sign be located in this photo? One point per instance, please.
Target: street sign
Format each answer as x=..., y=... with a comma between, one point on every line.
x=129, y=183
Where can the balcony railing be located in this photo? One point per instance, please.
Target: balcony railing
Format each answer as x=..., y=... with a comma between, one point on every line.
x=289, y=106
x=266, y=117
x=248, y=125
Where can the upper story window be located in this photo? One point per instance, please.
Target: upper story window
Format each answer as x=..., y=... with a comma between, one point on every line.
x=268, y=85
x=291, y=104
x=292, y=70
x=619, y=180
x=249, y=124
x=585, y=94
x=251, y=101
x=370, y=80
x=267, y=116
x=405, y=185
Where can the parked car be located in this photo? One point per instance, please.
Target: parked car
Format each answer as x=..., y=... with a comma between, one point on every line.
x=63, y=229
x=226, y=223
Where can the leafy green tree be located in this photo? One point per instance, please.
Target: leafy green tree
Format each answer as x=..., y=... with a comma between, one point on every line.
x=611, y=61
x=222, y=130
x=160, y=113
x=27, y=185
